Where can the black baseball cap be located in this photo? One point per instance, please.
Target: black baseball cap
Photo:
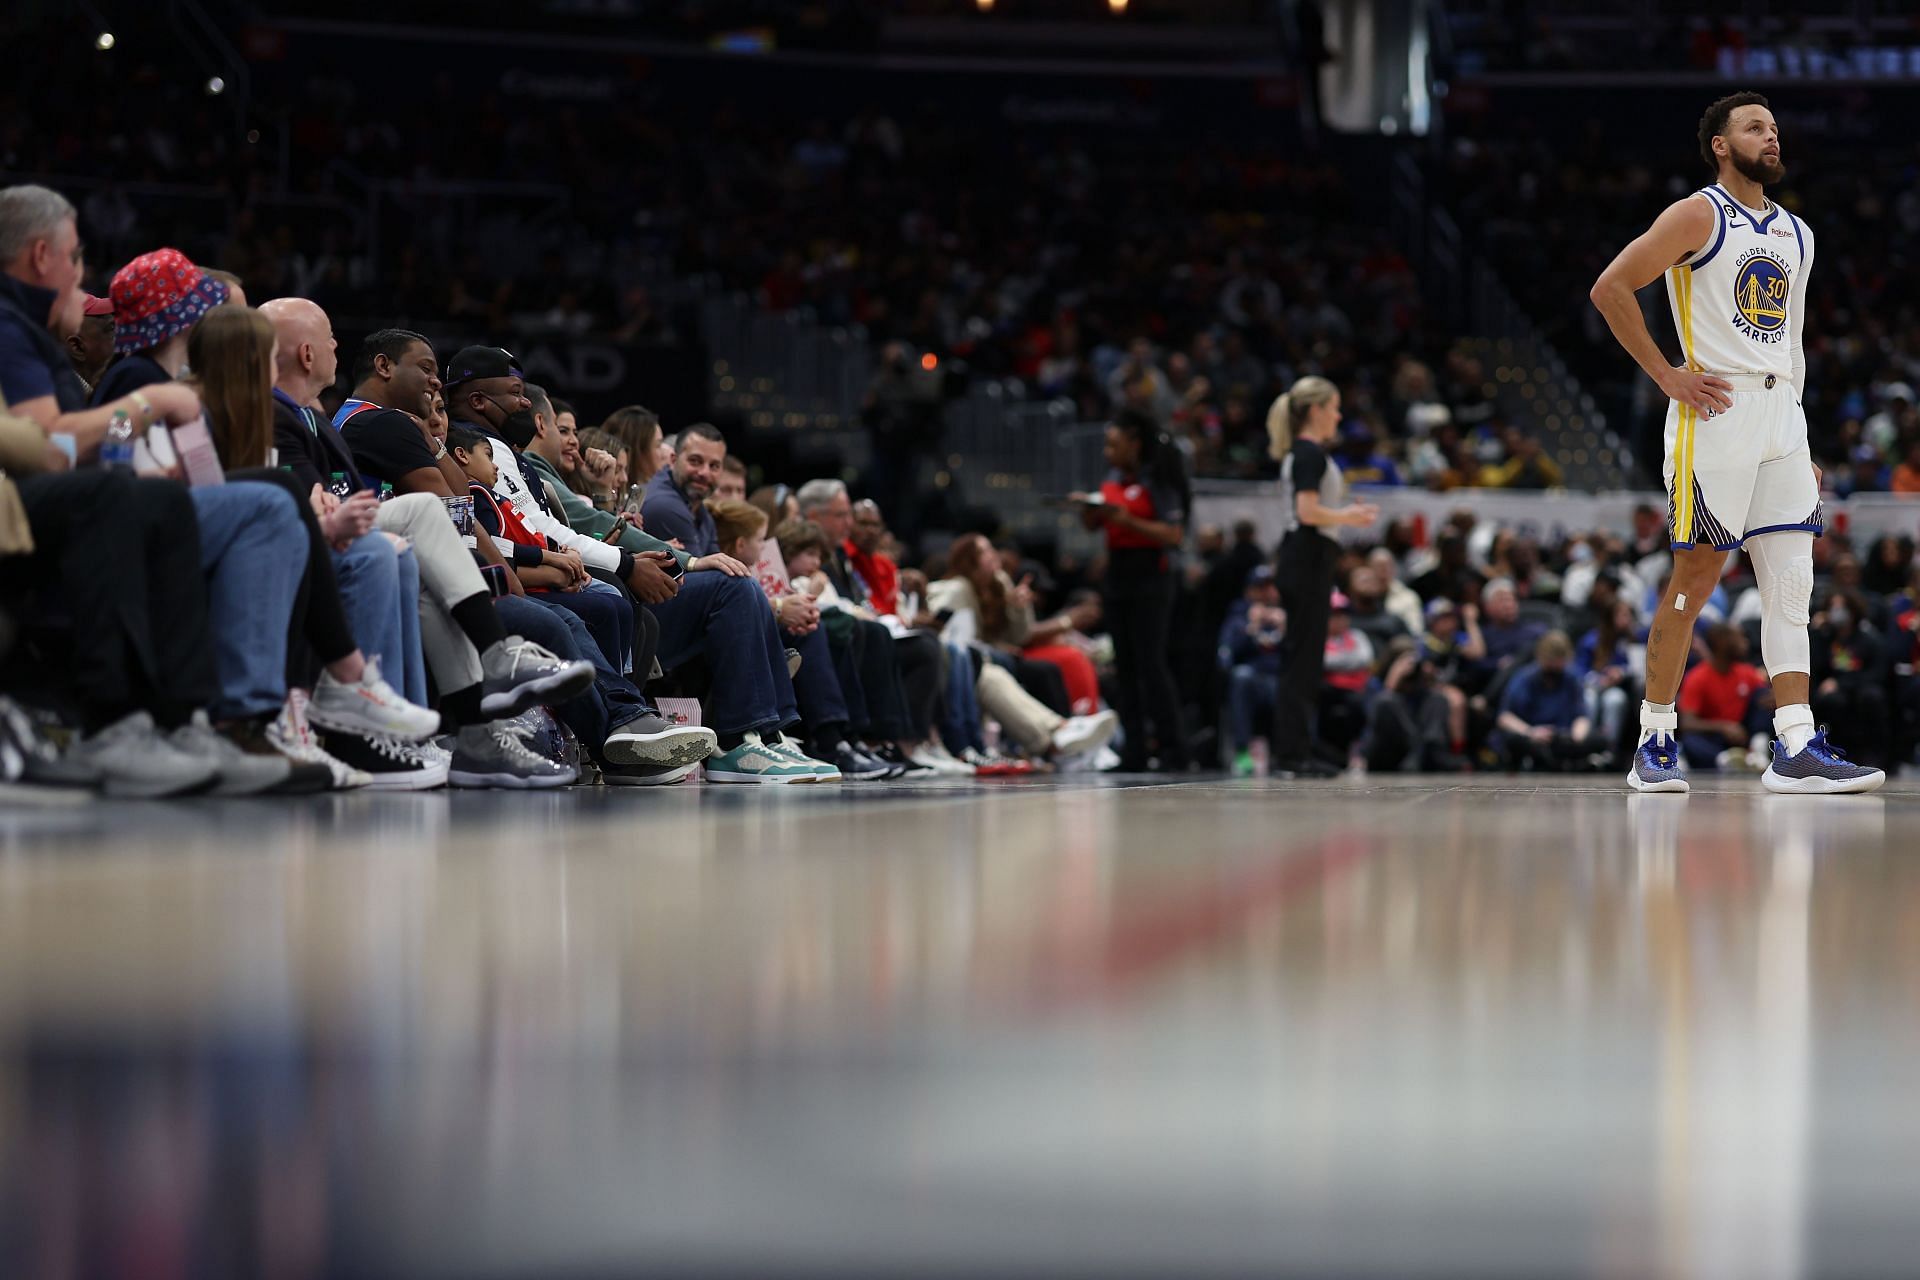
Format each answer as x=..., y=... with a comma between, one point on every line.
x=472, y=363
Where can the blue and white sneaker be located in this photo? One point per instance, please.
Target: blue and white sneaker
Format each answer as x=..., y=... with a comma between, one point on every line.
x=1818, y=770
x=1656, y=766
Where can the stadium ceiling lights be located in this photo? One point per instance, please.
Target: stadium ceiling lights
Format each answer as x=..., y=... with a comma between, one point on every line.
x=1113, y=6
x=103, y=41
x=216, y=86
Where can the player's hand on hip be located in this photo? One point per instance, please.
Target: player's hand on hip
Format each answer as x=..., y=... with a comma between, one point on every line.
x=1704, y=391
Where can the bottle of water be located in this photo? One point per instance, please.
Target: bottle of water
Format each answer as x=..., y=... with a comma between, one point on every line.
x=116, y=450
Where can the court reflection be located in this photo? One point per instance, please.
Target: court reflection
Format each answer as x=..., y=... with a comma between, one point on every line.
x=1620, y=1035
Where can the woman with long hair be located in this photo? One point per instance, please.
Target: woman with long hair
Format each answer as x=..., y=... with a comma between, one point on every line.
x=1029, y=699
x=231, y=355
x=1299, y=427
x=639, y=433
x=1143, y=508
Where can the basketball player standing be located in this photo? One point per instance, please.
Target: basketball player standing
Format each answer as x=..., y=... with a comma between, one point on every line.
x=1738, y=471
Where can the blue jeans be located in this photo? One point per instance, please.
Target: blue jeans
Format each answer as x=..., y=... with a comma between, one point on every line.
x=1248, y=693
x=960, y=726
x=253, y=549
x=380, y=593
x=608, y=613
x=727, y=621
x=609, y=702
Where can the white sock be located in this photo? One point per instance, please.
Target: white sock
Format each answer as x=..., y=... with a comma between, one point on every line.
x=1793, y=725
x=1660, y=718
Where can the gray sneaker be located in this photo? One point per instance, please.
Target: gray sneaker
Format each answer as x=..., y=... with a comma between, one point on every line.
x=137, y=762
x=492, y=755
x=26, y=754
x=241, y=773
x=518, y=674
x=650, y=739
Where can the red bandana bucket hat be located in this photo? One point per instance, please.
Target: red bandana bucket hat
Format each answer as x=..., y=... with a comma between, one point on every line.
x=158, y=295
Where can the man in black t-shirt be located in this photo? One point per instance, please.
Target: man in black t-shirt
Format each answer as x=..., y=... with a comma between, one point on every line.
x=395, y=378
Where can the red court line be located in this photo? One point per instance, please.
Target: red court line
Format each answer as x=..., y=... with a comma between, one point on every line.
x=1151, y=941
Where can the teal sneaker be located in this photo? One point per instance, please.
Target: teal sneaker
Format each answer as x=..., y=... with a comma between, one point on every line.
x=793, y=751
x=762, y=762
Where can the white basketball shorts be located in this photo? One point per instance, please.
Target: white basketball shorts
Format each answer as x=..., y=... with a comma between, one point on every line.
x=1742, y=472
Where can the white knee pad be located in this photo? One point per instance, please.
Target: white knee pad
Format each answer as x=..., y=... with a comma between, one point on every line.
x=1783, y=569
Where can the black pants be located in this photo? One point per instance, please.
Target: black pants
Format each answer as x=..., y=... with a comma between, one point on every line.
x=117, y=564
x=870, y=680
x=1139, y=611
x=923, y=678
x=1306, y=589
x=1407, y=732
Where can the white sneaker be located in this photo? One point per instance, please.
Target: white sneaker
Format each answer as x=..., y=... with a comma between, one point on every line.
x=368, y=708
x=1085, y=733
x=935, y=756
x=293, y=737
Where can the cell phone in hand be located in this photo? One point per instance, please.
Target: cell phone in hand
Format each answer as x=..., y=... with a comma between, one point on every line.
x=496, y=579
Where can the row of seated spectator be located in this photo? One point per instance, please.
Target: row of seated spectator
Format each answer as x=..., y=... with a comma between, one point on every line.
x=221, y=579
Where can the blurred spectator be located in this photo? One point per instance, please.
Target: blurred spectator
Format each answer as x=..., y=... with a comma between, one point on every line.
x=1527, y=465
x=1402, y=601
x=1349, y=672
x=1509, y=638
x=1369, y=613
x=1409, y=723
x=91, y=345
x=1453, y=576
x=1849, y=676
x=1725, y=706
x=1543, y=722
x=1250, y=640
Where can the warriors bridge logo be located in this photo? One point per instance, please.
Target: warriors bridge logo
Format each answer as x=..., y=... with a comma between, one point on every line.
x=1760, y=286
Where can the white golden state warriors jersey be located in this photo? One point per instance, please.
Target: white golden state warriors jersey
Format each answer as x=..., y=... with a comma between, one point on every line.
x=1738, y=301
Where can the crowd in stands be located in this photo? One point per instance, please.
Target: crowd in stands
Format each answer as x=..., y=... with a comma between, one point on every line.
x=236, y=563
x=1103, y=267
x=1489, y=650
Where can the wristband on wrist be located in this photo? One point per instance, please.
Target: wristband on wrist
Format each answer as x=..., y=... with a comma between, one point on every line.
x=146, y=407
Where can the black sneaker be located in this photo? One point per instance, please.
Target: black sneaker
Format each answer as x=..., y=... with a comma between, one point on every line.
x=897, y=759
x=854, y=764
x=393, y=765
x=1313, y=769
